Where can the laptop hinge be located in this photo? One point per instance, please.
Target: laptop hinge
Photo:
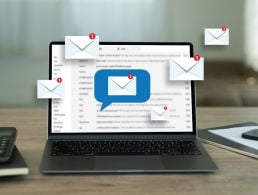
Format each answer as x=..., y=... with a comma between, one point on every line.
x=122, y=137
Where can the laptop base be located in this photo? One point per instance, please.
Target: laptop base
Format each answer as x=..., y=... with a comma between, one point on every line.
x=126, y=164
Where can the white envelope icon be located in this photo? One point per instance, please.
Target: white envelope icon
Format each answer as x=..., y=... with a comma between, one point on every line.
x=50, y=89
x=216, y=36
x=121, y=85
x=81, y=47
x=159, y=114
x=186, y=69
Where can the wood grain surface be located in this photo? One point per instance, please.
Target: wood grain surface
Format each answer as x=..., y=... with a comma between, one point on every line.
x=237, y=174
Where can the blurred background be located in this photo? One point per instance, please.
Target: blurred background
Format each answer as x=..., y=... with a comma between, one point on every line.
x=27, y=27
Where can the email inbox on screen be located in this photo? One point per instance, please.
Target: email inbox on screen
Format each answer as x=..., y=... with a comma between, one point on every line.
x=79, y=111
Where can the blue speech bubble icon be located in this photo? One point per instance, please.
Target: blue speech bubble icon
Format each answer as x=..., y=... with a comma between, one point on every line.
x=121, y=86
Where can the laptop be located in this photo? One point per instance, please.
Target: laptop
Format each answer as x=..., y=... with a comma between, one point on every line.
x=107, y=123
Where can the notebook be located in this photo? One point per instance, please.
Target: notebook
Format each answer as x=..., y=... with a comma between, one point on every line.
x=229, y=138
x=15, y=166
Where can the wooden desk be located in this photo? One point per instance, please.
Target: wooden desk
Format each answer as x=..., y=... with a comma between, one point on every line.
x=237, y=174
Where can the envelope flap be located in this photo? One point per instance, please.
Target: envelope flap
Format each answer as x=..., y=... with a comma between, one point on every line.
x=216, y=32
x=159, y=111
x=186, y=63
x=121, y=81
x=49, y=84
x=80, y=41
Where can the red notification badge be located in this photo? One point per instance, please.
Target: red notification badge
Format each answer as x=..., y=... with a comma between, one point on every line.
x=92, y=35
x=197, y=57
x=224, y=28
x=59, y=80
x=165, y=107
x=130, y=76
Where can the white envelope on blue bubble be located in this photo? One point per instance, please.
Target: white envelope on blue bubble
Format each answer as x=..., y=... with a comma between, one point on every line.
x=159, y=114
x=186, y=69
x=81, y=47
x=216, y=36
x=50, y=89
x=121, y=85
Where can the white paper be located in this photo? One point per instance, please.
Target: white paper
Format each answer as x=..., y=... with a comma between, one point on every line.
x=235, y=135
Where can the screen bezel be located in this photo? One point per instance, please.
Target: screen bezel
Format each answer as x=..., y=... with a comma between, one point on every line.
x=121, y=135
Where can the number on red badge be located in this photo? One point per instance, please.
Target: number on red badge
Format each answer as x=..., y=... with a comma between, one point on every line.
x=165, y=107
x=130, y=76
x=197, y=57
x=92, y=35
x=224, y=28
x=59, y=80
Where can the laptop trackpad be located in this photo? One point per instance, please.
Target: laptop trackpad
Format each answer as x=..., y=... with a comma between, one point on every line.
x=117, y=163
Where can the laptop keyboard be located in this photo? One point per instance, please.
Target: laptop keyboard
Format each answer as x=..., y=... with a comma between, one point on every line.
x=122, y=147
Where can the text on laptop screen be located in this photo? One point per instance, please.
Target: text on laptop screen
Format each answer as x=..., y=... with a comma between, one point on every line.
x=127, y=89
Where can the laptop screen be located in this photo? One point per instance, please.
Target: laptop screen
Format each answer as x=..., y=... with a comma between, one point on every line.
x=126, y=90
